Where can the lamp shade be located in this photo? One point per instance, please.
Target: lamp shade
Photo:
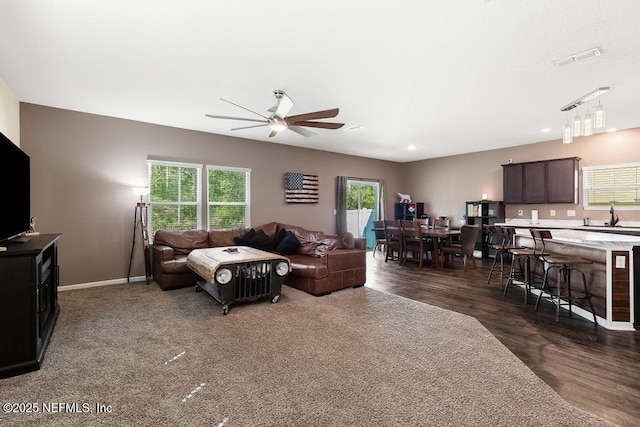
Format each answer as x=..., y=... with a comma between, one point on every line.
x=599, y=122
x=587, y=125
x=567, y=137
x=141, y=191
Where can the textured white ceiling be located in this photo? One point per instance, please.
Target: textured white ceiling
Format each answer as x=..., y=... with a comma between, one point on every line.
x=448, y=77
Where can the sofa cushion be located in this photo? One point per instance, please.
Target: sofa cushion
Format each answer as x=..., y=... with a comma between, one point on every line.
x=182, y=241
x=224, y=237
x=309, y=241
x=331, y=243
x=245, y=239
x=289, y=244
x=262, y=241
x=270, y=229
x=306, y=266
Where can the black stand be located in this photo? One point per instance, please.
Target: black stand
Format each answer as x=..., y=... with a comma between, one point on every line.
x=139, y=223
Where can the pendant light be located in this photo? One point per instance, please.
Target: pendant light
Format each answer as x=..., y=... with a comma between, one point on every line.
x=567, y=137
x=577, y=126
x=587, y=124
x=598, y=121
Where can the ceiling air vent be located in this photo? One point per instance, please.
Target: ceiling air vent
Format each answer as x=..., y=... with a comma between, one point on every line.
x=577, y=57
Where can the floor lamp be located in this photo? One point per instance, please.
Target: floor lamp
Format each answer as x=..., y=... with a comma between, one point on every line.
x=140, y=226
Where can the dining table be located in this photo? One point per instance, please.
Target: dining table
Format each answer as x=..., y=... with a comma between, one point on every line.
x=437, y=235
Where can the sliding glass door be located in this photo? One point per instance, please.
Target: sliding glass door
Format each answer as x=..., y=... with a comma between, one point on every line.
x=363, y=202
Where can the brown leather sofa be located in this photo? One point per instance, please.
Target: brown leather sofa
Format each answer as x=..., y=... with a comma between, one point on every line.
x=322, y=264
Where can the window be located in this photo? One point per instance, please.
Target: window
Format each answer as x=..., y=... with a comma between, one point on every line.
x=228, y=197
x=175, y=196
x=606, y=185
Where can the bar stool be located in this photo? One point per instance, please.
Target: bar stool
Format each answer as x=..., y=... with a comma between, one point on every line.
x=564, y=266
x=497, y=240
x=520, y=270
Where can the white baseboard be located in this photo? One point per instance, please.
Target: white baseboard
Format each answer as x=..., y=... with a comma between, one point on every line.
x=101, y=283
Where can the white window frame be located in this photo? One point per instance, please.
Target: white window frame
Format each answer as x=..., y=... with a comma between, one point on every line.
x=246, y=203
x=197, y=203
x=585, y=187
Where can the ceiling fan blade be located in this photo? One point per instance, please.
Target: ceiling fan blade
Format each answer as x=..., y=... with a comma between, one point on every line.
x=213, y=116
x=285, y=104
x=325, y=114
x=244, y=108
x=250, y=127
x=324, y=125
x=273, y=133
x=301, y=131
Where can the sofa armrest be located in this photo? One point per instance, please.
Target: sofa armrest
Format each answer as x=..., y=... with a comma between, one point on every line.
x=346, y=259
x=162, y=253
x=360, y=243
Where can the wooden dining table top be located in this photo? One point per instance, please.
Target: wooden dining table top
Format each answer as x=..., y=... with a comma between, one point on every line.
x=439, y=232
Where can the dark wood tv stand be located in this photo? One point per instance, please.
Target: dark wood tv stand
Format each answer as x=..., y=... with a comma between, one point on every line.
x=29, y=277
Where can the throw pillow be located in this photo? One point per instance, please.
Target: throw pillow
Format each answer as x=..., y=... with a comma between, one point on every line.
x=289, y=244
x=244, y=240
x=262, y=241
x=279, y=237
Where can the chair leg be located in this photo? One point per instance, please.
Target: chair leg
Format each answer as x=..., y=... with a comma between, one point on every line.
x=493, y=267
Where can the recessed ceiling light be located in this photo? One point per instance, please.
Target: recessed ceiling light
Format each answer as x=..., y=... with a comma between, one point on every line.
x=612, y=130
x=545, y=130
x=412, y=147
x=354, y=128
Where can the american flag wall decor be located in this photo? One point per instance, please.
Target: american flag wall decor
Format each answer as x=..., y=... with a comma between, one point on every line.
x=300, y=188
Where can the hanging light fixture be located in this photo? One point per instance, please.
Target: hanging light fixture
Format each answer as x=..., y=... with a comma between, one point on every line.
x=598, y=121
x=586, y=125
x=567, y=138
x=577, y=125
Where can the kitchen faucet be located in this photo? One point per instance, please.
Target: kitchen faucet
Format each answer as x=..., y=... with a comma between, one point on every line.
x=614, y=219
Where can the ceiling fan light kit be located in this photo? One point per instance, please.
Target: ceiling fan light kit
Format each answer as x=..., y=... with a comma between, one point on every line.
x=279, y=119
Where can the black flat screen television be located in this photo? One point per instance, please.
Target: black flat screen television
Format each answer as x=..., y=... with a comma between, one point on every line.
x=15, y=190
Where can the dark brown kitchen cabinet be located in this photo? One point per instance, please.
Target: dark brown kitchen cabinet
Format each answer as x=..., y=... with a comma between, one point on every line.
x=546, y=181
x=512, y=183
x=562, y=180
x=535, y=182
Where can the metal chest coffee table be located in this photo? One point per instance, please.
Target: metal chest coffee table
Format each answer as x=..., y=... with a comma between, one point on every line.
x=238, y=273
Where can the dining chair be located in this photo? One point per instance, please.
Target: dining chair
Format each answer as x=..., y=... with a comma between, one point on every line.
x=466, y=246
x=413, y=243
x=393, y=240
x=441, y=223
x=381, y=239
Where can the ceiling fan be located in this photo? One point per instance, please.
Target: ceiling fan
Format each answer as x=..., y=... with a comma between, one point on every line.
x=278, y=119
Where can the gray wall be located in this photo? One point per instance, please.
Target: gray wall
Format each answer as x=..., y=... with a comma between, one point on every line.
x=84, y=166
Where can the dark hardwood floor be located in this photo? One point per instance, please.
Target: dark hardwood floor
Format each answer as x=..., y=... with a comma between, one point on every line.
x=592, y=368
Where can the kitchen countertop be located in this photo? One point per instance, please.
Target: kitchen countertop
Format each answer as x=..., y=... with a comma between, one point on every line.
x=574, y=232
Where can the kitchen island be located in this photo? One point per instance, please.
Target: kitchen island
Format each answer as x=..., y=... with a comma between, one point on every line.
x=614, y=276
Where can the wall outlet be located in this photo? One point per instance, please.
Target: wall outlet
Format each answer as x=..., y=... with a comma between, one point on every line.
x=520, y=212
x=571, y=212
x=552, y=212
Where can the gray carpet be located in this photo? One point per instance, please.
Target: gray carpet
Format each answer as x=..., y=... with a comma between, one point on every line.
x=357, y=357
